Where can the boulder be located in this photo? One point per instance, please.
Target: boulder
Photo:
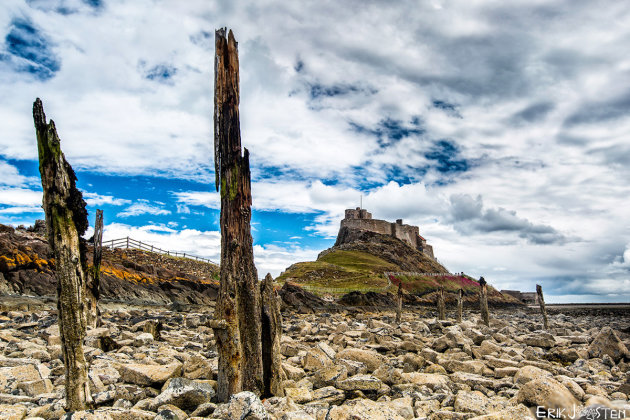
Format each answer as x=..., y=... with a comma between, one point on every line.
x=364, y=383
x=185, y=394
x=149, y=375
x=370, y=358
x=244, y=405
x=529, y=373
x=362, y=408
x=608, y=342
x=548, y=394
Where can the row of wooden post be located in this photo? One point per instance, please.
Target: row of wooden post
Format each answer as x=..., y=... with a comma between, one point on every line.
x=483, y=304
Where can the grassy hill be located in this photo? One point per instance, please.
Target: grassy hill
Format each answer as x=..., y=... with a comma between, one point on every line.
x=378, y=263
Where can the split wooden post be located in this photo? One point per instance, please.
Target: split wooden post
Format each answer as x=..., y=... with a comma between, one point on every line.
x=94, y=281
x=237, y=324
x=543, y=310
x=400, y=303
x=271, y=324
x=441, y=306
x=460, y=305
x=66, y=221
x=483, y=301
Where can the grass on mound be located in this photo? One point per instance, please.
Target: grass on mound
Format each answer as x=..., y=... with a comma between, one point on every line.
x=340, y=272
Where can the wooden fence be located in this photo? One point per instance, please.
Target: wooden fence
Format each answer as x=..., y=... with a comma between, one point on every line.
x=129, y=243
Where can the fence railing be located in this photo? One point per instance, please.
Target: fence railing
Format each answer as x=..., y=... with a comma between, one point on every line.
x=417, y=274
x=129, y=243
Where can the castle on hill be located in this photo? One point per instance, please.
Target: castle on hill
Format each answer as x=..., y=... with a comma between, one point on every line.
x=360, y=220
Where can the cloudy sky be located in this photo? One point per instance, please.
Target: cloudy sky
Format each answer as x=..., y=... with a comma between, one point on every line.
x=501, y=128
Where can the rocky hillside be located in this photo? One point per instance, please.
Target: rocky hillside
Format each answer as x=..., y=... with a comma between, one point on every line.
x=372, y=262
x=131, y=276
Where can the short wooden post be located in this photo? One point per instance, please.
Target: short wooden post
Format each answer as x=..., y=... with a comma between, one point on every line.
x=543, y=310
x=441, y=306
x=400, y=303
x=94, y=281
x=66, y=221
x=271, y=327
x=460, y=305
x=483, y=301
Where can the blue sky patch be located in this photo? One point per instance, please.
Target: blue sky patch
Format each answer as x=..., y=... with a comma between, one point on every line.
x=162, y=73
x=445, y=154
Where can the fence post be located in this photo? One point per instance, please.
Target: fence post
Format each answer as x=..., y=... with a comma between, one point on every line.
x=127, y=242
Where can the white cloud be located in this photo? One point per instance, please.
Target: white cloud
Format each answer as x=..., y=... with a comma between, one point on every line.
x=142, y=207
x=95, y=199
x=20, y=197
x=10, y=176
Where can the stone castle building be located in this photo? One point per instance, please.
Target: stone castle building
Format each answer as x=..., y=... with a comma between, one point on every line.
x=361, y=220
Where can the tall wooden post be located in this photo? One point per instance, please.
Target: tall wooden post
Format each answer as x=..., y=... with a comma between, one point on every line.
x=543, y=310
x=483, y=301
x=400, y=303
x=66, y=221
x=237, y=321
x=460, y=305
x=441, y=306
x=94, y=281
x=271, y=323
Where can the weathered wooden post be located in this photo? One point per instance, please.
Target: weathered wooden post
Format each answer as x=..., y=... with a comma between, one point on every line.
x=400, y=303
x=66, y=221
x=483, y=301
x=237, y=326
x=271, y=324
x=543, y=310
x=460, y=305
x=441, y=306
x=94, y=281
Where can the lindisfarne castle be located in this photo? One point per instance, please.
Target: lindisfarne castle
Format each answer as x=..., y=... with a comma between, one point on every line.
x=359, y=220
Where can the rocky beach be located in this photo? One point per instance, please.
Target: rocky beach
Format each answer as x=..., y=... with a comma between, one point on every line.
x=153, y=363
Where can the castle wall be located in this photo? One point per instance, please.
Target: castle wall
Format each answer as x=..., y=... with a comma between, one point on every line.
x=361, y=219
x=406, y=233
x=372, y=225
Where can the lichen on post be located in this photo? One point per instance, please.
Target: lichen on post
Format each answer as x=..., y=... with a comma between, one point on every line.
x=236, y=323
x=66, y=221
x=483, y=301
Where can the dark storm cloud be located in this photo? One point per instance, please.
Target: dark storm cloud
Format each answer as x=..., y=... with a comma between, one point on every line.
x=389, y=131
x=319, y=90
x=533, y=113
x=469, y=216
x=599, y=112
x=27, y=50
x=66, y=7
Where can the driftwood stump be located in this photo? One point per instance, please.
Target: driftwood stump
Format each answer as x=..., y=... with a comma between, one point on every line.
x=237, y=324
x=441, y=306
x=483, y=301
x=543, y=310
x=94, y=280
x=66, y=221
x=460, y=305
x=399, y=296
x=271, y=323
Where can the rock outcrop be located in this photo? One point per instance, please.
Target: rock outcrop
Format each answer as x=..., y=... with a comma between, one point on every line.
x=130, y=276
